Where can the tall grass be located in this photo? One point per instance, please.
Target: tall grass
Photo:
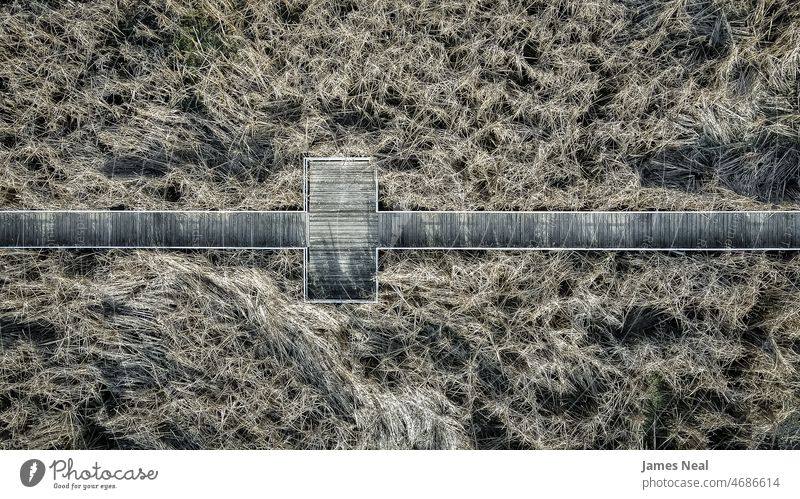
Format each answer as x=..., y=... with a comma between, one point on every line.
x=466, y=105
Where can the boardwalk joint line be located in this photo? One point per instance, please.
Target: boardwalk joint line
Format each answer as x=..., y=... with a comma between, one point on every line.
x=341, y=230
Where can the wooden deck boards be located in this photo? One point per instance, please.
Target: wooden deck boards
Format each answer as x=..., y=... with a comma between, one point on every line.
x=341, y=229
x=341, y=261
x=591, y=230
x=152, y=229
x=353, y=227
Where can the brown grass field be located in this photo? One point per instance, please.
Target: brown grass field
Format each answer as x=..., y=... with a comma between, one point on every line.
x=494, y=105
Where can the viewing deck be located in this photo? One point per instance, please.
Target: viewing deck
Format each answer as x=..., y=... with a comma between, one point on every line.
x=341, y=231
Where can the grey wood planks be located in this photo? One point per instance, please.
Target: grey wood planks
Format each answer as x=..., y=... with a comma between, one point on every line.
x=152, y=229
x=341, y=230
x=341, y=260
x=765, y=230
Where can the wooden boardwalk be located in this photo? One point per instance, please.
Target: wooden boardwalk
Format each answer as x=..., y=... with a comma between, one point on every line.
x=153, y=229
x=341, y=230
x=341, y=202
x=764, y=230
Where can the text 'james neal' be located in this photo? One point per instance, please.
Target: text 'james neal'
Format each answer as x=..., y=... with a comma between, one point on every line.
x=684, y=466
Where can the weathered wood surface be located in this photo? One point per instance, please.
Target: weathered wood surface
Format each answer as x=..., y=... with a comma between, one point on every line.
x=340, y=230
x=152, y=229
x=341, y=261
x=591, y=230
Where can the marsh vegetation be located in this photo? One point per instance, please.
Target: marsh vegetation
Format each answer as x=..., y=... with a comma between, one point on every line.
x=495, y=105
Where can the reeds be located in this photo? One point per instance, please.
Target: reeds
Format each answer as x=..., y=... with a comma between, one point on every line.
x=465, y=105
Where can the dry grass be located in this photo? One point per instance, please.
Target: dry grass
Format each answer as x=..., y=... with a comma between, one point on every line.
x=467, y=105
x=499, y=350
x=495, y=105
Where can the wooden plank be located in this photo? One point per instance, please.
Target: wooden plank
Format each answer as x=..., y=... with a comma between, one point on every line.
x=341, y=229
x=152, y=229
x=341, y=260
x=591, y=230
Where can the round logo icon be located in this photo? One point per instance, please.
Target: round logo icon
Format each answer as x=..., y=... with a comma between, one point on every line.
x=31, y=472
